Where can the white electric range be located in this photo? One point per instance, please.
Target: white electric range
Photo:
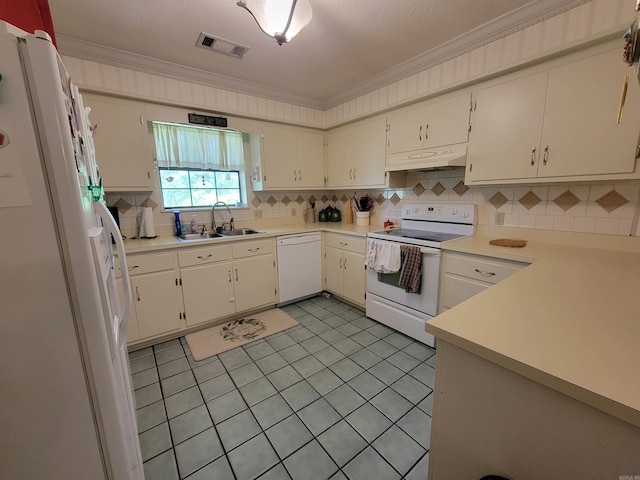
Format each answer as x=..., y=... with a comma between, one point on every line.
x=425, y=226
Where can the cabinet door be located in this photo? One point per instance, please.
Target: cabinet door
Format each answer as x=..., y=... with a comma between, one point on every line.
x=255, y=282
x=158, y=302
x=333, y=271
x=208, y=292
x=581, y=128
x=447, y=122
x=310, y=158
x=434, y=124
x=122, y=145
x=279, y=157
x=406, y=131
x=339, y=157
x=354, y=277
x=369, y=153
x=506, y=128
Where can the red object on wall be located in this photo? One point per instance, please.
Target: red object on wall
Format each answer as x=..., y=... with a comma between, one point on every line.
x=29, y=15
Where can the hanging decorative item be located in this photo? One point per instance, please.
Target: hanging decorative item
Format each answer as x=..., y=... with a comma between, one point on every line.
x=279, y=19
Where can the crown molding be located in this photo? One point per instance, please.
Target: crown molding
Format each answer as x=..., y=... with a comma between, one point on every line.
x=498, y=28
x=507, y=24
x=94, y=52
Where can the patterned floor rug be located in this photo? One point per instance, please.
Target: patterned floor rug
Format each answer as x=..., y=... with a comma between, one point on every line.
x=220, y=338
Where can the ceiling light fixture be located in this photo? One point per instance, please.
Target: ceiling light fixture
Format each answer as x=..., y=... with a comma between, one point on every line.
x=280, y=19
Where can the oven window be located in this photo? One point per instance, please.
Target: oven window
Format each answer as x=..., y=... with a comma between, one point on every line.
x=392, y=279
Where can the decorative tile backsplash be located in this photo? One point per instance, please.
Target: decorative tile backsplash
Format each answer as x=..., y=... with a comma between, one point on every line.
x=602, y=207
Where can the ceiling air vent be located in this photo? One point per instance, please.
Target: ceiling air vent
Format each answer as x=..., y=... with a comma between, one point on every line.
x=221, y=45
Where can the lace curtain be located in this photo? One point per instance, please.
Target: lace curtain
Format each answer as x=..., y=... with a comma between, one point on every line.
x=183, y=146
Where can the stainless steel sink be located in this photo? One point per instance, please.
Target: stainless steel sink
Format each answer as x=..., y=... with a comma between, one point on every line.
x=192, y=237
x=240, y=231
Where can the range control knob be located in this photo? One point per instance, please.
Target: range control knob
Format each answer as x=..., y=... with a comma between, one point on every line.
x=417, y=210
x=454, y=211
x=465, y=214
x=407, y=211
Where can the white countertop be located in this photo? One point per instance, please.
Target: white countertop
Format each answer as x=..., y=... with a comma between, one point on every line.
x=165, y=241
x=570, y=320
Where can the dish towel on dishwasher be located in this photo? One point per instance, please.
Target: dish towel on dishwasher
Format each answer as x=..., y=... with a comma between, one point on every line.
x=383, y=257
x=411, y=273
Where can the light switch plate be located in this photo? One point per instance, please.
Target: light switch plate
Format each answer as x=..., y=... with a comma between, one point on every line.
x=499, y=218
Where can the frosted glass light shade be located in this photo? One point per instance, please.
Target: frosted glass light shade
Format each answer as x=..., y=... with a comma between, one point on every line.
x=272, y=16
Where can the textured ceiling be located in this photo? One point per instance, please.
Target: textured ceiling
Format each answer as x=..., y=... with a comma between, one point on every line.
x=348, y=47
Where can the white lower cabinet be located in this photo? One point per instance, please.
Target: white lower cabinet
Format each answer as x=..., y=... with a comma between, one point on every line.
x=465, y=275
x=207, y=287
x=186, y=287
x=254, y=281
x=157, y=296
x=344, y=272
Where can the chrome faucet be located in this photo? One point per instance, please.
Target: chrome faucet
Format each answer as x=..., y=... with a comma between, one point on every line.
x=213, y=216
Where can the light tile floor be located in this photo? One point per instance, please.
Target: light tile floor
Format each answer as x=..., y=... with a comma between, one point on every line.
x=337, y=396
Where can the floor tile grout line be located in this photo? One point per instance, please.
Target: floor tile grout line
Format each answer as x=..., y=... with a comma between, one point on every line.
x=305, y=378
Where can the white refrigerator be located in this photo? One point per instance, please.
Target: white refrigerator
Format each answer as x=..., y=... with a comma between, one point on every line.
x=66, y=402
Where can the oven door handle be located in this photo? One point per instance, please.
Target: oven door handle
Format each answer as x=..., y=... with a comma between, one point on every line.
x=429, y=251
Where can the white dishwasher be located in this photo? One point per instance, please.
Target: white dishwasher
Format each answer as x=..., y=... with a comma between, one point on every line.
x=299, y=266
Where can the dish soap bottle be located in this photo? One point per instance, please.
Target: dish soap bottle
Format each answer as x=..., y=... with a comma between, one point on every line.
x=194, y=224
x=177, y=223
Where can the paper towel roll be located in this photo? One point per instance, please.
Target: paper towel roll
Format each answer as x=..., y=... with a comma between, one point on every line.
x=147, y=229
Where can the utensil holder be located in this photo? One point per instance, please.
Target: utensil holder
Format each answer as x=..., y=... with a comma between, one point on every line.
x=362, y=218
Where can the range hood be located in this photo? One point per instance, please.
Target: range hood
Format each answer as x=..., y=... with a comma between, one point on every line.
x=440, y=157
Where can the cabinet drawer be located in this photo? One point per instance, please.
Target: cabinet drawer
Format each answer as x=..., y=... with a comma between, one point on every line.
x=456, y=290
x=350, y=243
x=157, y=262
x=485, y=269
x=251, y=248
x=200, y=256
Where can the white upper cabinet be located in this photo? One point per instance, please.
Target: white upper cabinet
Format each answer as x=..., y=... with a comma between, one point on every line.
x=356, y=155
x=291, y=158
x=122, y=143
x=563, y=123
x=505, y=136
x=430, y=124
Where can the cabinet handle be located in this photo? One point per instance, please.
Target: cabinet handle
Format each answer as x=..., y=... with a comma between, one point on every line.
x=137, y=294
x=299, y=174
x=623, y=97
x=204, y=257
x=344, y=264
x=253, y=249
x=295, y=176
x=485, y=274
x=354, y=173
x=533, y=156
x=545, y=156
x=420, y=133
x=236, y=274
x=230, y=279
x=426, y=132
x=350, y=170
x=133, y=267
x=341, y=264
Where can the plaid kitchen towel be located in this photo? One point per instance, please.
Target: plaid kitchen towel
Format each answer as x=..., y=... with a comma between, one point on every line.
x=411, y=272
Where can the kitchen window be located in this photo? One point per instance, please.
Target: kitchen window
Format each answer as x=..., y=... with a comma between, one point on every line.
x=199, y=166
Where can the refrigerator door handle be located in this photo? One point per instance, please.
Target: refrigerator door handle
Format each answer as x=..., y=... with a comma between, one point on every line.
x=123, y=317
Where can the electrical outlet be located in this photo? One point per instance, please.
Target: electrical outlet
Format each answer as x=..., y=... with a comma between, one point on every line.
x=293, y=212
x=499, y=218
x=257, y=214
